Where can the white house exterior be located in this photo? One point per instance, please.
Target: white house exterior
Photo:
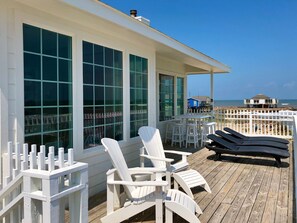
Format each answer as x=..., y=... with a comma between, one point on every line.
x=74, y=71
x=261, y=101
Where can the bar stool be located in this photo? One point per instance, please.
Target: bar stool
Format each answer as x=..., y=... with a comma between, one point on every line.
x=177, y=134
x=169, y=129
x=207, y=128
x=192, y=135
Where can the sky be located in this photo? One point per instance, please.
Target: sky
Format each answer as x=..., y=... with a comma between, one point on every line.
x=257, y=39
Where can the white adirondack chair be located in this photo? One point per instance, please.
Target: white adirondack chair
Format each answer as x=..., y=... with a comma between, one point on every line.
x=141, y=195
x=186, y=179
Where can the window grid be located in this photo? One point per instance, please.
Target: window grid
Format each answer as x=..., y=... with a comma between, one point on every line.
x=48, y=87
x=180, y=96
x=138, y=94
x=103, y=90
x=166, y=87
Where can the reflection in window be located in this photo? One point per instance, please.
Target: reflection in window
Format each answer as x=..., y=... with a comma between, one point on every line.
x=180, y=96
x=138, y=94
x=102, y=94
x=47, y=87
x=166, y=87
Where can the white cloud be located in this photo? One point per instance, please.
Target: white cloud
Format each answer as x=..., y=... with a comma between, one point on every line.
x=290, y=85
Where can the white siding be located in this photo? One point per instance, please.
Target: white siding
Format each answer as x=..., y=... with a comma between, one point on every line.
x=12, y=89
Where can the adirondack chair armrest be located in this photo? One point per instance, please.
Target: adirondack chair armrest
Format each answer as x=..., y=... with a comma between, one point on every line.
x=178, y=152
x=168, y=160
x=138, y=183
x=146, y=170
x=183, y=154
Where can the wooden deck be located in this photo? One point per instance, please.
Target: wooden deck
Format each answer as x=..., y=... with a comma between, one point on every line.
x=244, y=189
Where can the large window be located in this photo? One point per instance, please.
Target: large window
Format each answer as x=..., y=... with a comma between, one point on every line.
x=102, y=94
x=166, y=97
x=180, y=96
x=138, y=94
x=47, y=87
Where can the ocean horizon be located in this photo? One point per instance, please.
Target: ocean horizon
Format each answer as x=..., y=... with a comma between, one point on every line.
x=240, y=103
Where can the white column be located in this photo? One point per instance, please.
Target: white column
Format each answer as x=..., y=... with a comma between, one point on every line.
x=3, y=83
x=126, y=95
x=211, y=90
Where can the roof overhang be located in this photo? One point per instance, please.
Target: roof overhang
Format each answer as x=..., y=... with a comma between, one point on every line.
x=194, y=61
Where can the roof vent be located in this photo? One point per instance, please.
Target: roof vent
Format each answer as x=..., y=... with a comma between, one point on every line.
x=133, y=13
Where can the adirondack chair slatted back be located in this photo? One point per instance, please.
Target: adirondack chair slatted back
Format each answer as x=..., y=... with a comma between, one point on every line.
x=152, y=142
x=118, y=162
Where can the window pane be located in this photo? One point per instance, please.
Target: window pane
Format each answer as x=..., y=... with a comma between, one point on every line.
x=32, y=93
x=99, y=95
x=98, y=55
x=118, y=78
x=32, y=120
x=109, y=98
x=88, y=95
x=88, y=116
x=50, y=119
x=88, y=138
x=50, y=94
x=108, y=76
x=65, y=94
x=99, y=75
x=32, y=66
x=49, y=43
x=99, y=115
x=65, y=47
x=108, y=57
x=31, y=38
x=118, y=99
x=49, y=68
x=87, y=52
x=118, y=59
x=65, y=70
x=65, y=139
x=65, y=118
x=88, y=74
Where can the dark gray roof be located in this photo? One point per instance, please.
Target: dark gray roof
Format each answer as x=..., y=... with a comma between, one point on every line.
x=260, y=96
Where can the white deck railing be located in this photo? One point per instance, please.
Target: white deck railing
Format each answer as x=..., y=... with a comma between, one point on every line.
x=37, y=188
x=256, y=122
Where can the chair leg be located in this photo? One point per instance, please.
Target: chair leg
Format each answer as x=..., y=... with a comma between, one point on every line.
x=278, y=162
x=168, y=215
x=217, y=157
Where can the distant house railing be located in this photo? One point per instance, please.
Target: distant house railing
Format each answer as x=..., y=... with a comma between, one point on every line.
x=36, y=188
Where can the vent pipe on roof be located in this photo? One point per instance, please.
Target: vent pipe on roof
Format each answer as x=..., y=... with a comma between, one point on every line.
x=133, y=13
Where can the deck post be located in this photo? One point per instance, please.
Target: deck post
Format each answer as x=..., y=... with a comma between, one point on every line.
x=295, y=165
x=212, y=91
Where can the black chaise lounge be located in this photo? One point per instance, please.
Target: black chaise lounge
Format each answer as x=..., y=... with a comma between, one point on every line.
x=255, y=138
x=242, y=142
x=221, y=146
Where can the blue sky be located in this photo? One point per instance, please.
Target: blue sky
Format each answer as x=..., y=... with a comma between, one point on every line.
x=256, y=38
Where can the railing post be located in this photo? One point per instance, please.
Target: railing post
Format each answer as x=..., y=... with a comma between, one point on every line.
x=251, y=123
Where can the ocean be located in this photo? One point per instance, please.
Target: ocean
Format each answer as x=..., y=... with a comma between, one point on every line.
x=239, y=103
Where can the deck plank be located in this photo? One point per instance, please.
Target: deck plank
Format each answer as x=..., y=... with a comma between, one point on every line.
x=270, y=207
x=244, y=189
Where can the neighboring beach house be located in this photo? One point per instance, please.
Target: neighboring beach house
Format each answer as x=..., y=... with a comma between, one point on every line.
x=261, y=101
x=199, y=101
x=74, y=71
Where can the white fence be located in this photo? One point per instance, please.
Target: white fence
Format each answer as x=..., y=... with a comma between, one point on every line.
x=256, y=122
x=37, y=188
